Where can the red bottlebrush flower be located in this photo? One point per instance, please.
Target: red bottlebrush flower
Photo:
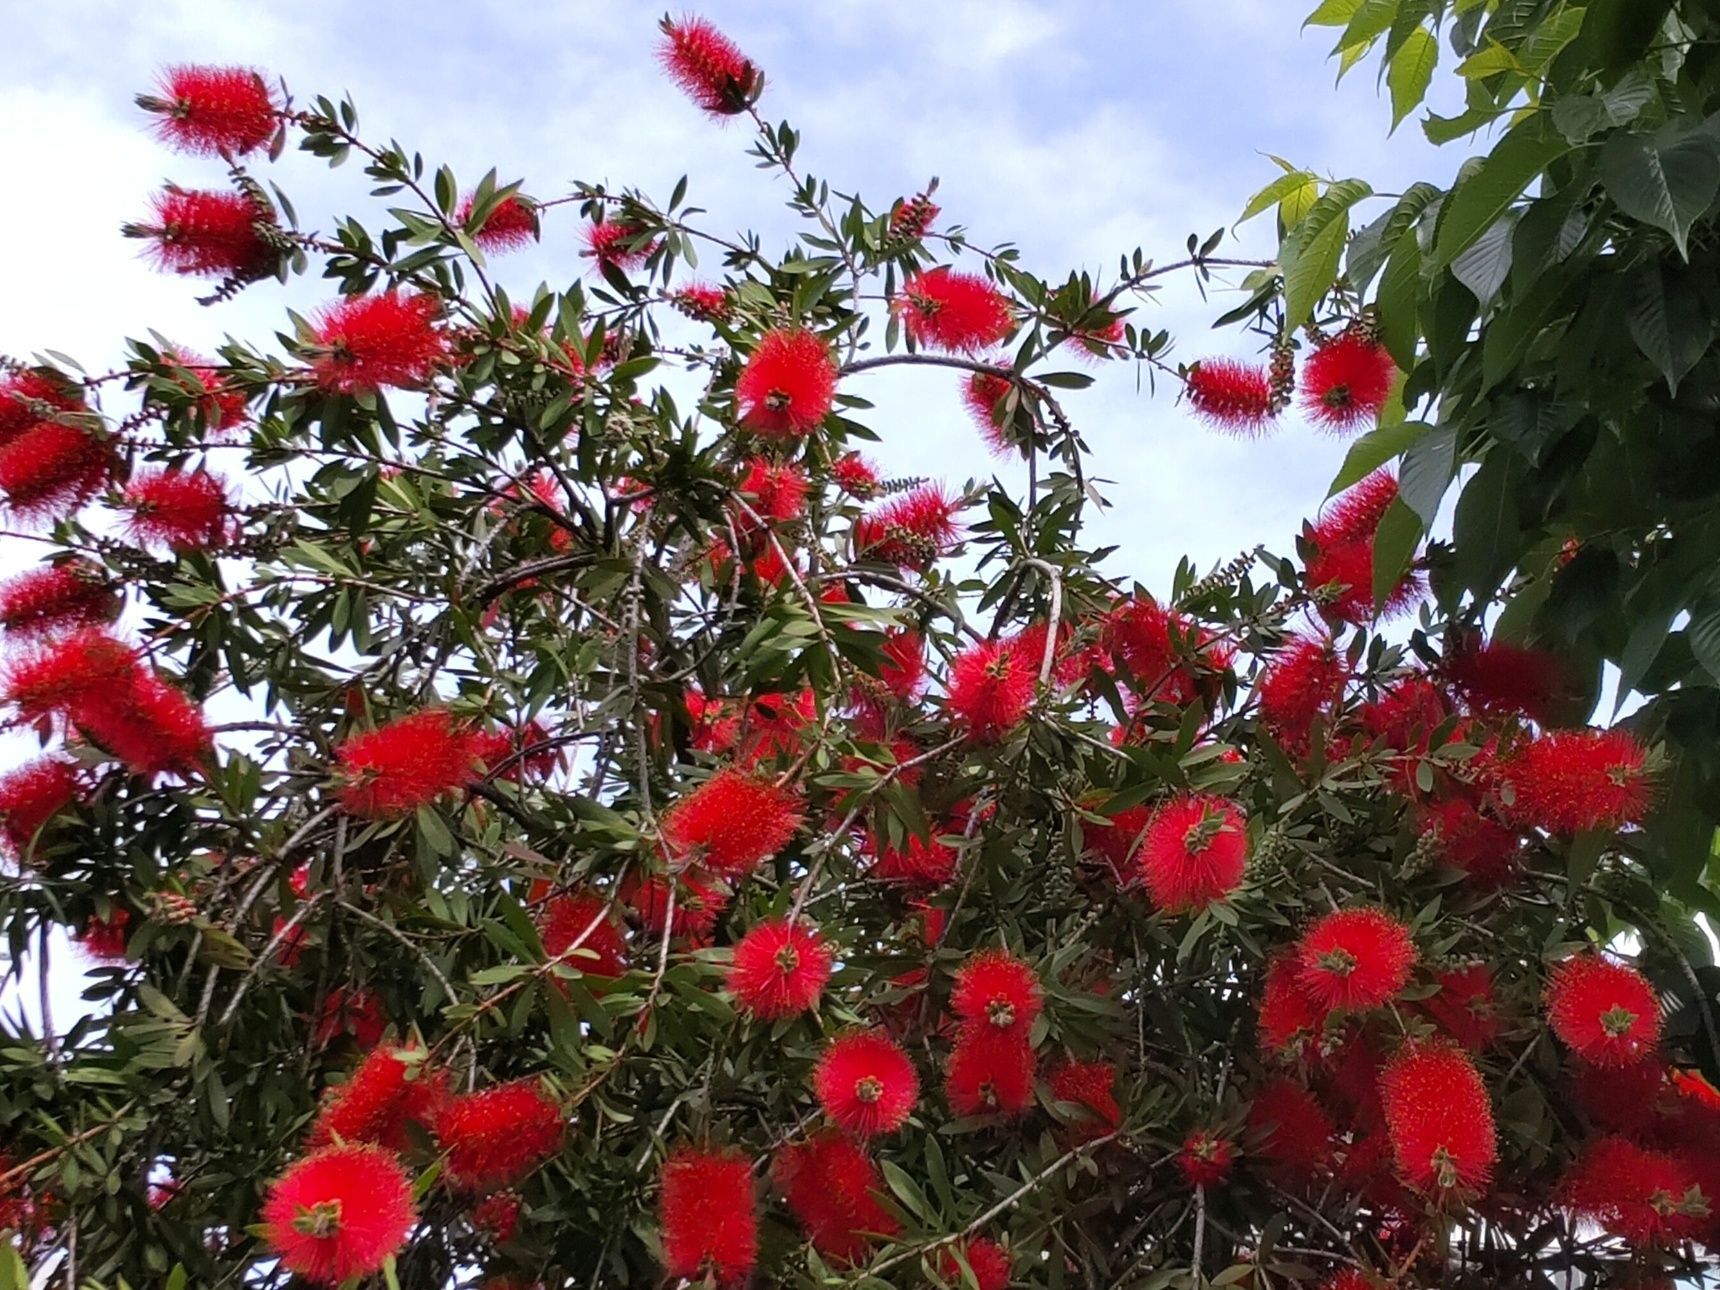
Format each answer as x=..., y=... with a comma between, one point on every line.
x=708, y=67
x=903, y=668
x=30, y=796
x=1483, y=848
x=1119, y=842
x=1342, y=565
x=710, y=1221
x=339, y=1214
x=986, y=1260
x=104, y=939
x=995, y=990
x=213, y=111
x=1438, y=1118
x=183, y=510
x=911, y=529
x=1645, y=1197
x=1406, y=714
x=52, y=598
x=1092, y=1087
x=984, y=393
x=1354, y=959
x=703, y=302
x=399, y=767
x=1295, y=1131
x=731, y=823
x=1499, y=679
x=990, y=1072
x=1347, y=1279
x=990, y=690
x=854, y=475
x=911, y=217
x=788, y=385
x=1231, y=396
x=146, y=723
x=943, y=309
x=1568, y=781
x=617, y=244
x=832, y=1188
x=496, y=1136
x=366, y=343
x=390, y=1089
x=1303, y=682
x=1288, y=1018
x=1169, y=659
x=50, y=470
x=511, y=224
x=65, y=675
x=1194, y=852
x=498, y=1216
x=518, y=753
x=698, y=905
x=1605, y=1012
x=1205, y=1158
x=1346, y=382
x=866, y=1083
x=1466, y=1007
x=207, y=234
x=578, y=930
x=351, y=1012
x=29, y=397
x=774, y=491
x=918, y=863
x=779, y=969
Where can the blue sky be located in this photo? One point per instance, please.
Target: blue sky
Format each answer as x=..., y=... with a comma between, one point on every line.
x=1076, y=131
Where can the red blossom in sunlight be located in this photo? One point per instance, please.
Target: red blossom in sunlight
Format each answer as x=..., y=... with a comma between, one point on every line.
x=995, y=990
x=495, y=1136
x=779, y=969
x=911, y=529
x=1231, y=395
x=709, y=1216
x=339, y=1213
x=943, y=309
x=366, y=343
x=618, y=244
x=990, y=689
x=182, y=510
x=774, y=492
x=50, y=470
x=104, y=939
x=990, y=1072
x=1341, y=565
x=703, y=302
x=917, y=862
x=576, y=928
x=207, y=234
x=984, y=393
x=147, y=723
x=30, y=796
x=1303, y=682
x=31, y=396
x=1438, y=1118
x=1346, y=382
x=55, y=598
x=391, y=1089
x=60, y=676
x=788, y=385
x=832, y=1187
x=856, y=476
x=866, y=1083
x=409, y=763
x=213, y=111
x=708, y=67
x=1607, y=1013
x=1354, y=959
x=1194, y=852
x=512, y=223
x=731, y=823
x=1568, y=781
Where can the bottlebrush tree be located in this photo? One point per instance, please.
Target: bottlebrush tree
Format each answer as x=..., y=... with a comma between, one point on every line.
x=541, y=810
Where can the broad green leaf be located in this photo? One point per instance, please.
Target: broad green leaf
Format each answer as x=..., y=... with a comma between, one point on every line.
x=1484, y=267
x=1548, y=38
x=1704, y=637
x=1315, y=247
x=1411, y=72
x=1667, y=179
x=1374, y=450
x=1395, y=542
x=1668, y=321
x=1490, y=61
x=1276, y=191
x=1333, y=13
x=1477, y=203
x=1372, y=19
x=1298, y=202
x=1427, y=469
x=1399, y=302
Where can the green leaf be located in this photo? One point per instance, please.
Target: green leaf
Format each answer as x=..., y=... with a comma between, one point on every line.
x=1485, y=527
x=1371, y=20
x=1399, y=302
x=1427, y=470
x=1333, y=13
x=1312, y=252
x=1667, y=179
x=1488, y=61
x=1704, y=637
x=1484, y=267
x=1477, y=203
x=1411, y=72
x=1617, y=32
x=1395, y=541
x=1275, y=192
x=1548, y=38
x=1668, y=320
x=1374, y=450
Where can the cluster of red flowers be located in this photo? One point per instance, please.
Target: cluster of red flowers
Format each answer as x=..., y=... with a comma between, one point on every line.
x=960, y=312
x=361, y=344
x=996, y=999
x=341, y=1213
x=182, y=510
x=213, y=111
x=409, y=763
x=710, y=1225
x=510, y=224
x=114, y=698
x=1341, y=563
x=779, y=969
x=911, y=529
x=788, y=384
x=208, y=233
x=51, y=461
x=708, y=67
x=1345, y=385
x=731, y=823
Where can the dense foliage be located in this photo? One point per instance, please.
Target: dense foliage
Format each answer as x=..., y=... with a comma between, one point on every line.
x=543, y=811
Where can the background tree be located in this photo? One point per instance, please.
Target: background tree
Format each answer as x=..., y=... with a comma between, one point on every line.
x=566, y=821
